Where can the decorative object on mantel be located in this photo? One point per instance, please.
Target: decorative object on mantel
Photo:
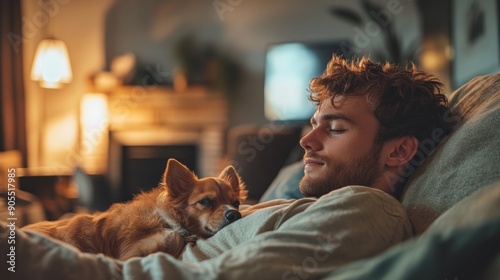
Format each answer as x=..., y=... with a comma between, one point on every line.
x=393, y=50
x=104, y=81
x=199, y=63
x=123, y=71
x=124, y=67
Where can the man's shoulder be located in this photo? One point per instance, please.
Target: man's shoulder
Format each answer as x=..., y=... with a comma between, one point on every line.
x=358, y=190
x=362, y=198
x=353, y=209
x=355, y=193
x=274, y=205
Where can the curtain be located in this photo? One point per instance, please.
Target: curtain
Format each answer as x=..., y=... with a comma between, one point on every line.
x=12, y=103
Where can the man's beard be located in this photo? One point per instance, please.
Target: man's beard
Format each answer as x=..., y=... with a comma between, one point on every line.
x=362, y=171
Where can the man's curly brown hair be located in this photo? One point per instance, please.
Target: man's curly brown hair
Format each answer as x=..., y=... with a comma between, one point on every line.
x=406, y=101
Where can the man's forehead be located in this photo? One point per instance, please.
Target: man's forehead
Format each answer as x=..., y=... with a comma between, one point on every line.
x=344, y=107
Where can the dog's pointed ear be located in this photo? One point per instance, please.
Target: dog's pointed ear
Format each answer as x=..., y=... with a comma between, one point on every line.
x=230, y=175
x=178, y=179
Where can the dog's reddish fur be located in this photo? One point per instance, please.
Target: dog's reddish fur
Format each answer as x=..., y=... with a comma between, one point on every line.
x=182, y=209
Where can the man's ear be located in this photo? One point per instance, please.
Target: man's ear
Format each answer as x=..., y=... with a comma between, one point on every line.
x=401, y=151
x=178, y=179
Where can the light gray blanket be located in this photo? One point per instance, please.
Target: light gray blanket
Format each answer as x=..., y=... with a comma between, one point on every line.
x=295, y=239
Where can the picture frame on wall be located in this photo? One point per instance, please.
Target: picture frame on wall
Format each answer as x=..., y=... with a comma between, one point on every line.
x=476, y=39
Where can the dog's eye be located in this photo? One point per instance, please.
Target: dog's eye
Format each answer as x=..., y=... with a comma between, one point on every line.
x=236, y=204
x=205, y=202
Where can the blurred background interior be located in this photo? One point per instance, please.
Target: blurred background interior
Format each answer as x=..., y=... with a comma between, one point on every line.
x=210, y=83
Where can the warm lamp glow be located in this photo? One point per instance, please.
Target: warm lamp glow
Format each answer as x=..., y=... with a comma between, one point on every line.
x=94, y=111
x=51, y=66
x=94, y=132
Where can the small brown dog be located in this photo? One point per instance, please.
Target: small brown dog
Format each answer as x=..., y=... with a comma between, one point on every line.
x=182, y=209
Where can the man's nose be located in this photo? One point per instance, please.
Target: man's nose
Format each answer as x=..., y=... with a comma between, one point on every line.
x=310, y=141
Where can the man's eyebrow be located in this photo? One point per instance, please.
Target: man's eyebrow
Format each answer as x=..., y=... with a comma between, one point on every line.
x=332, y=117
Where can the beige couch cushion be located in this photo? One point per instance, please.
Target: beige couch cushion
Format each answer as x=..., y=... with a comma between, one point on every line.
x=466, y=161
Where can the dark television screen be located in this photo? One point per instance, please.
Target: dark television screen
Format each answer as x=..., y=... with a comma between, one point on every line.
x=289, y=68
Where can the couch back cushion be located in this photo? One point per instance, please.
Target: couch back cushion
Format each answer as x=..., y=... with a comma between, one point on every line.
x=464, y=162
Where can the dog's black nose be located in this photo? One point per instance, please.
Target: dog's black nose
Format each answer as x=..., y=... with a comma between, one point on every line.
x=232, y=215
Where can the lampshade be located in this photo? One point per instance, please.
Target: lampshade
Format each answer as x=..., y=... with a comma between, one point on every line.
x=51, y=66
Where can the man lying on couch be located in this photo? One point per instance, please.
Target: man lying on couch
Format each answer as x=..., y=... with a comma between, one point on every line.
x=369, y=122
